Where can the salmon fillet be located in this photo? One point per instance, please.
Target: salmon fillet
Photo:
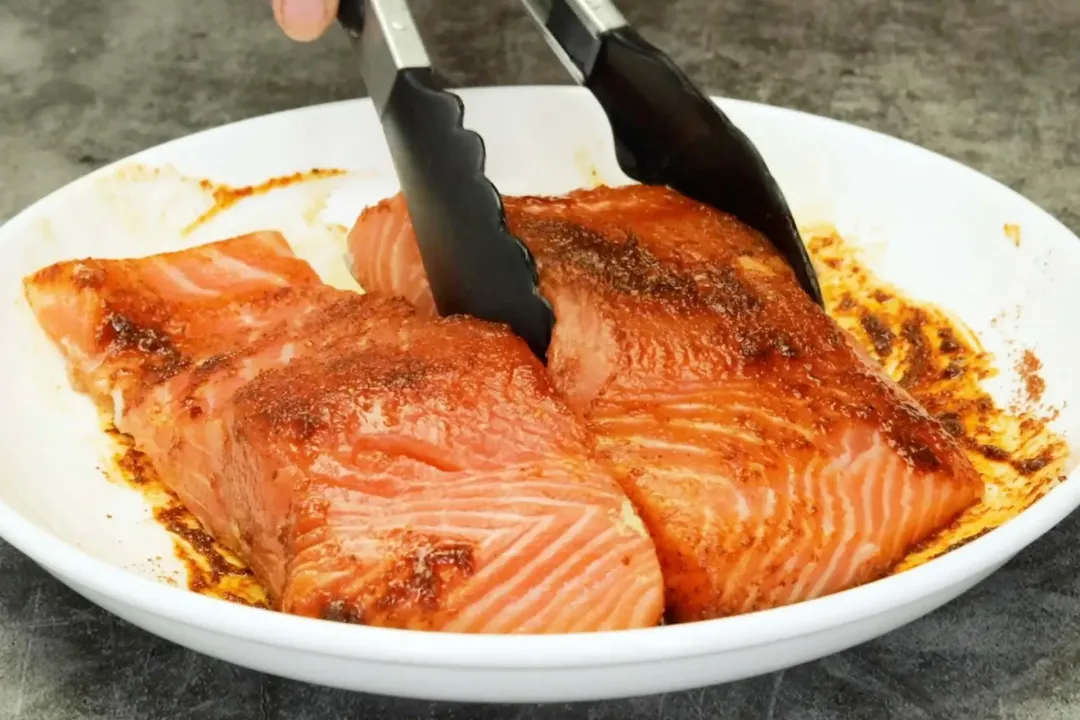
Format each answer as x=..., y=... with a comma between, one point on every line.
x=771, y=460
x=373, y=465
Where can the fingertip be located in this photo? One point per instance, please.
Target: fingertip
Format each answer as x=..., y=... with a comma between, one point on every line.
x=304, y=20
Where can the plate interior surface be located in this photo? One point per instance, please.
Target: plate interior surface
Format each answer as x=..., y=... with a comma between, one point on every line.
x=930, y=226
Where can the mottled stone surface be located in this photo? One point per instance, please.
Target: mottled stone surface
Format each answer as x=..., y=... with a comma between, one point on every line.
x=994, y=84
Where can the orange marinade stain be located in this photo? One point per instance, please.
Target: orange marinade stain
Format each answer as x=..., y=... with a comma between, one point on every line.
x=1012, y=231
x=226, y=196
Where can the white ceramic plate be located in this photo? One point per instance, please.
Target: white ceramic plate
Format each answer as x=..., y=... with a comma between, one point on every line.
x=931, y=226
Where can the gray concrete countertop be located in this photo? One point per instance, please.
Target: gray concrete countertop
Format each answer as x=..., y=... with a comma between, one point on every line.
x=995, y=84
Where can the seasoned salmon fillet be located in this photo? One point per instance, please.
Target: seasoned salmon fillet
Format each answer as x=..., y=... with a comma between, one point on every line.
x=771, y=460
x=373, y=465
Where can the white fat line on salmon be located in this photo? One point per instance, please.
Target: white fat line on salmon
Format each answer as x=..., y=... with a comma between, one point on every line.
x=561, y=578
x=288, y=351
x=627, y=520
x=180, y=279
x=643, y=441
x=437, y=509
x=843, y=547
x=244, y=270
x=250, y=321
x=117, y=396
x=443, y=484
x=520, y=548
x=716, y=483
x=80, y=358
x=731, y=429
x=778, y=546
x=791, y=499
x=717, y=429
x=605, y=606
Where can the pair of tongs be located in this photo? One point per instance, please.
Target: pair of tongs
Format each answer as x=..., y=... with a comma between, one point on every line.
x=666, y=133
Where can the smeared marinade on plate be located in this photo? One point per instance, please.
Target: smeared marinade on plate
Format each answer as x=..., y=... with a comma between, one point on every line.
x=211, y=568
x=942, y=363
x=226, y=196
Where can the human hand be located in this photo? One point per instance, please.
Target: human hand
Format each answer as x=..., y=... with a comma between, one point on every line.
x=305, y=20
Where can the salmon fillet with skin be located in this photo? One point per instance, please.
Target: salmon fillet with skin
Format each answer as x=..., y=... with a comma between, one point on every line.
x=771, y=460
x=372, y=465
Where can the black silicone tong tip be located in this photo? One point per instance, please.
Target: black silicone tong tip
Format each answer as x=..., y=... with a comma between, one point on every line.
x=474, y=265
x=666, y=131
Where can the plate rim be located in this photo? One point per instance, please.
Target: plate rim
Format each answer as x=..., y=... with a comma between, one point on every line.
x=524, y=652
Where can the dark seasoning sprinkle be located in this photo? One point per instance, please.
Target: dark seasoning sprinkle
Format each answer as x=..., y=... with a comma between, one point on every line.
x=880, y=335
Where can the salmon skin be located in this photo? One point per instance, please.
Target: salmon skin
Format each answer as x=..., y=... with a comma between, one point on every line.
x=373, y=465
x=771, y=460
